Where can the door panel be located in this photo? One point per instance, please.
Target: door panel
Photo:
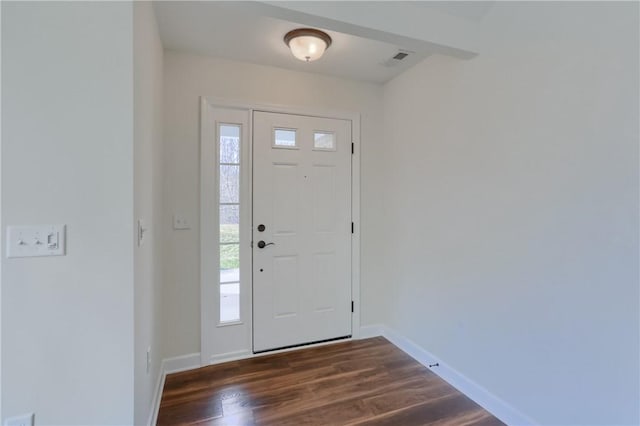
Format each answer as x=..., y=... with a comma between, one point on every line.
x=302, y=195
x=285, y=286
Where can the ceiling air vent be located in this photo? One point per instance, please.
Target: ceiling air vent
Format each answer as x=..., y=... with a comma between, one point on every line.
x=395, y=59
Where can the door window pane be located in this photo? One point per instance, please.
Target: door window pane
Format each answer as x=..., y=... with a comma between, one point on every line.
x=229, y=256
x=229, y=184
x=230, y=223
x=285, y=137
x=229, y=275
x=229, y=150
x=230, y=144
x=229, y=302
x=324, y=140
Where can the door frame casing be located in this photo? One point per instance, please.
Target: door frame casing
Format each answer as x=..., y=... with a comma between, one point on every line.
x=208, y=355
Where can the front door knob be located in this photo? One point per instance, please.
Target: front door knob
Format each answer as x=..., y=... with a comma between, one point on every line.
x=262, y=244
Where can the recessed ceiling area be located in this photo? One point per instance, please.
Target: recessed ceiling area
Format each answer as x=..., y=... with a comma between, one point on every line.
x=231, y=30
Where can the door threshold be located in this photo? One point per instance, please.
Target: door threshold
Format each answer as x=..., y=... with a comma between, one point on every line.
x=303, y=344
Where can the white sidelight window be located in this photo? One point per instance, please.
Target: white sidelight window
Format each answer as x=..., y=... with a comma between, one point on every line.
x=229, y=149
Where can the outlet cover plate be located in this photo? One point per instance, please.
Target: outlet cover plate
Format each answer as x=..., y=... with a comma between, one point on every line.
x=24, y=420
x=180, y=222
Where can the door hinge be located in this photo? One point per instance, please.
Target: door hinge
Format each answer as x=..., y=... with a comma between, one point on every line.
x=353, y=149
x=352, y=306
x=352, y=227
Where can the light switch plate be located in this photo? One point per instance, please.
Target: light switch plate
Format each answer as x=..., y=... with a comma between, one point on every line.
x=36, y=240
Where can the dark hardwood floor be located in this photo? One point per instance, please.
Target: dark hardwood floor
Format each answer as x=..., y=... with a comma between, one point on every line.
x=356, y=382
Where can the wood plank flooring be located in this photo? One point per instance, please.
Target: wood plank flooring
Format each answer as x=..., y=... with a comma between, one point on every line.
x=360, y=382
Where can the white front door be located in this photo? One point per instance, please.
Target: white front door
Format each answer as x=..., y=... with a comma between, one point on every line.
x=301, y=230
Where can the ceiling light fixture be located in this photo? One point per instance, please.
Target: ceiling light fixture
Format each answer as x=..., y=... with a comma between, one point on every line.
x=307, y=44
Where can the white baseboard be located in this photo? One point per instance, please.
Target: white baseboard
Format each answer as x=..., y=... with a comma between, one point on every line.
x=157, y=395
x=181, y=363
x=168, y=366
x=477, y=393
x=230, y=356
x=368, y=331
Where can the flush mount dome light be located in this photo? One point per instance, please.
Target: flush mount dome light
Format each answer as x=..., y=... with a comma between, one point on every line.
x=307, y=44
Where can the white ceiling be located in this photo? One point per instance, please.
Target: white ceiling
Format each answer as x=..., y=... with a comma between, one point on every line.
x=472, y=10
x=239, y=31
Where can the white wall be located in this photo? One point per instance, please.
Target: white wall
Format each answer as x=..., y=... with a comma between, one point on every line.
x=186, y=78
x=67, y=140
x=148, y=191
x=512, y=210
